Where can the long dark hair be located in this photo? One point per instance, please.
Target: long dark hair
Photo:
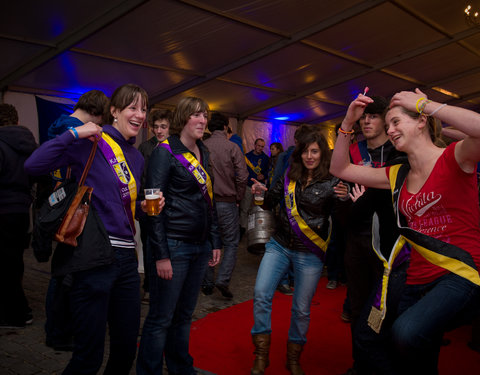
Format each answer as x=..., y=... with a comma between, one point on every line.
x=298, y=172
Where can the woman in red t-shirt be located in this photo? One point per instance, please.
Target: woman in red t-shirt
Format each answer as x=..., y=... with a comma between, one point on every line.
x=437, y=203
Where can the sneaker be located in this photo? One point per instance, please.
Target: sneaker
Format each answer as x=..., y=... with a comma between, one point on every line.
x=285, y=289
x=332, y=284
x=225, y=291
x=345, y=316
x=146, y=298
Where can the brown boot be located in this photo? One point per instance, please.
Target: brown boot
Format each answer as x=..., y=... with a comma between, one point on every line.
x=262, y=347
x=293, y=358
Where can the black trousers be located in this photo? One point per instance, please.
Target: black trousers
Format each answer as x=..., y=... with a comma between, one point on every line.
x=13, y=241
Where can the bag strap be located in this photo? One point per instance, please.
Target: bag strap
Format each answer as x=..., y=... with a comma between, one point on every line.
x=89, y=163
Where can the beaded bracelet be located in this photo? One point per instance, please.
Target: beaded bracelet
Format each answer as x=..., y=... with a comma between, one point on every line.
x=345, y=132
x=423, y=105
x=75, y=133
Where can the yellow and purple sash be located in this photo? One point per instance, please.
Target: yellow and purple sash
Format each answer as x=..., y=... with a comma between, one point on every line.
x=399, y=254
x=257, y=170
x=306, y=234
x=126, y=182
x=440, y=253
x=192, y=165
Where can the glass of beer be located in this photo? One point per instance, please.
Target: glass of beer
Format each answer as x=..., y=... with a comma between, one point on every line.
x=259, y=196
x=152, y=196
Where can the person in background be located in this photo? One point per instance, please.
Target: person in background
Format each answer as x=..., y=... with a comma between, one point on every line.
x=438, y=218
x=16, y=145
x=276, y=149
x=183, y=240
x=257, y=166
x=307, y=195
x=90, y=107
x=281, y=166
x=159, y=124
x=230, y=176
x=235, y=138
x=101, y=272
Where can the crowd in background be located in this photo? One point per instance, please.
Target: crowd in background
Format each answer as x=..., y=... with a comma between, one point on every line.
x=419, y=256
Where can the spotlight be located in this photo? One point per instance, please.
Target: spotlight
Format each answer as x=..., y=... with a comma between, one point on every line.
x=472, y=15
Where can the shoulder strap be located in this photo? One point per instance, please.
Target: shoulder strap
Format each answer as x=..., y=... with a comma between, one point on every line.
x=89, y=163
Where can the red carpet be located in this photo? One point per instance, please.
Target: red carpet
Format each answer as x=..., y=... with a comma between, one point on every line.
x=221, y=343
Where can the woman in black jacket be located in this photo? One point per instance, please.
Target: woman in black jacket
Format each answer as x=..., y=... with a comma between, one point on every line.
x=307, y=197
x=180, y=240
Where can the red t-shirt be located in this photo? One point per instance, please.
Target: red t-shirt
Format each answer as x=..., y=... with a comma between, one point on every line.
x=446, y=208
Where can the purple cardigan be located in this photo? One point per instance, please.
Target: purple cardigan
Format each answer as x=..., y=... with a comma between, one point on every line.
x=65, y=150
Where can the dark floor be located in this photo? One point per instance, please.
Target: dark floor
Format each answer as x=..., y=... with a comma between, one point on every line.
x=23, y=351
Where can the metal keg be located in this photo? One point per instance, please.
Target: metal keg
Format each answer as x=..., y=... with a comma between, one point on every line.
x=260, y=227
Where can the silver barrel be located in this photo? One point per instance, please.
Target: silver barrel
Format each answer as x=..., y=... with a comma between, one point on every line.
x=261, y=225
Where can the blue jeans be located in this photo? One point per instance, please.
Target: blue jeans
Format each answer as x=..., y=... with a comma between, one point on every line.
x=106, y=294
x=307, y=269
x=166, y=330
x=227, y=213
x=427, y=311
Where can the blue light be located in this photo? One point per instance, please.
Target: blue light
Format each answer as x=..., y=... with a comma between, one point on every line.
x=282, y=118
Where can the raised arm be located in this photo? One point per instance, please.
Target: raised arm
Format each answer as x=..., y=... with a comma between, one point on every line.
x=340, y=165
x=467, y=151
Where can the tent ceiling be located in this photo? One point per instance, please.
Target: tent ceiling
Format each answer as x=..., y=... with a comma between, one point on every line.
x=263, y=59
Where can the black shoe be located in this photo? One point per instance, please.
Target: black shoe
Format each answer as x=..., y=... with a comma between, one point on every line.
x=285, y=289
x=225, y=291
x=60, y=346
x=207, y=290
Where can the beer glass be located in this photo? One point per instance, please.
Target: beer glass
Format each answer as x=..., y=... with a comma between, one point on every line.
x=259, y=196
x=152, y=196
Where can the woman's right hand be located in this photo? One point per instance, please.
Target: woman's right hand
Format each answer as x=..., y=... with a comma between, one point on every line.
x=164, y=268
x=88, y=130
x=257, y=187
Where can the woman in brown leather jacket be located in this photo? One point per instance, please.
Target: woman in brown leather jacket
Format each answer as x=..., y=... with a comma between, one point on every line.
x=307, y=197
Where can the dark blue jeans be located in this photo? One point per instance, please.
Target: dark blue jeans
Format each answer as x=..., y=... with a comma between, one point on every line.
x=107, y=294
x=166, y=330
x=427, y=311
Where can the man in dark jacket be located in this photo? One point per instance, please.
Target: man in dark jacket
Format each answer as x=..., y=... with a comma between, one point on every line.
x=159, y=124
x=16, y=145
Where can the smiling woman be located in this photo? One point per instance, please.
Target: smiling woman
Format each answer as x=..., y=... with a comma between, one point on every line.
x=105, y=283
x=435, y=196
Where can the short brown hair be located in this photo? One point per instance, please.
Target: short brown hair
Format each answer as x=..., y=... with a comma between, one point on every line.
x=185, y=108
x=160, y=114
x=8, y=115
x=94, y=102
x=122, y=97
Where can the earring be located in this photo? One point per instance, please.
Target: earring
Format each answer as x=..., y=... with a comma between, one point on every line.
x=115, y=120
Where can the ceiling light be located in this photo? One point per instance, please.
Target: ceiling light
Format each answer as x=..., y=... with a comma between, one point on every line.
x=472, y=15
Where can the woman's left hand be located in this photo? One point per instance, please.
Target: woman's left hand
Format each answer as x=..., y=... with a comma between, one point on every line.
x=215, y=258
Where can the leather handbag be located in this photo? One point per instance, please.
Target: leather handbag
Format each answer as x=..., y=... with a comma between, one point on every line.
x=74, y=220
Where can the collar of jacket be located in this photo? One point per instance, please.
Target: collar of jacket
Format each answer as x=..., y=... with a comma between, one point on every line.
x=179, y=148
